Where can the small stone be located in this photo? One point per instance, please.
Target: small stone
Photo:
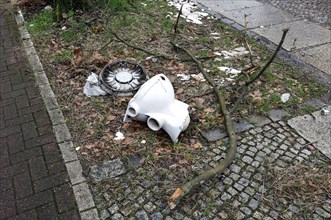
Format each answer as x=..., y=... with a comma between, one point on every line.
x=240, y=215
x=213, y=135
x=277, y=114
x=225, y=196
x=238, y=186
x=259, y=120
x=294, y=208
x=134, y=161
x=288, y=215
x=104, y=214
x=241, y=125
x=253, y=204
x=246, y=210
x=227, y=181
x=108, y=169
x=274, y=214
x=106, y=196
x=149, y=207
x=247, y=159
x=140, y=199
x=258, y=215
x=142, y=215
x=232, y=191
x=117, y=216
x=243, y=181
x=223, y=215
x=243, y=197
x=113, y=209
x=127, y=211
x=235, y=168
x=234, y=176
x=157, y=216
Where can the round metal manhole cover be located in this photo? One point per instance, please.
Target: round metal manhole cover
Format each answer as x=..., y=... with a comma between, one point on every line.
x=123, y=78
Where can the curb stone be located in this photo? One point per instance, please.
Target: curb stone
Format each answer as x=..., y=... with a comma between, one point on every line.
x=83, y=195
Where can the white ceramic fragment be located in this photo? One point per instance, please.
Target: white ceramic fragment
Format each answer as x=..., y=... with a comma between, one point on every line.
x=155, y=104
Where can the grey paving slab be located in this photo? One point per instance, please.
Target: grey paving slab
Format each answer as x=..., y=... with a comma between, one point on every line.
x=302, y=34
x=316, y=128
x=227, y=5
x=259, y=16
x=319, y=56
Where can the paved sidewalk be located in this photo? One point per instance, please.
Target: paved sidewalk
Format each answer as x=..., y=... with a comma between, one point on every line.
x=34, y=183
x=307, y=45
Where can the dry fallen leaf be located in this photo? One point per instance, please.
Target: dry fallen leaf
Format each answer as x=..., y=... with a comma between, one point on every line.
x=197, y=145
x=179, y=91
x=209, y=110
x=183, y=161
x=199, y=100
x=162, y=150
x=256, y=95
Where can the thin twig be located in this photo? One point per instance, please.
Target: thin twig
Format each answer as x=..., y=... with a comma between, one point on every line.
x=245, y=88
x=270, y=60
x=177, y=20
x=242, y=96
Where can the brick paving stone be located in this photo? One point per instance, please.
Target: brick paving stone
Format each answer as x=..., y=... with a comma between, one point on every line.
x=32, y=175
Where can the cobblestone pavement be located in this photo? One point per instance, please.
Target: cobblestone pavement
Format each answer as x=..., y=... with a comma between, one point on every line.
x=241, y=193
x=33, y=178
x=313, y=10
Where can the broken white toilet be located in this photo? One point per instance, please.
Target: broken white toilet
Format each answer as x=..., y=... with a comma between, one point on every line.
x=155, y=104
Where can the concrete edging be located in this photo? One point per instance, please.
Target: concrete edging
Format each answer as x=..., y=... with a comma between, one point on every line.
x=83, y=195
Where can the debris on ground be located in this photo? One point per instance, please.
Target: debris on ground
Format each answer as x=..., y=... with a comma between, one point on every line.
x=155, y=104
x=285, y=97
x=92, y=86
x=119, y=136
x=190, y=11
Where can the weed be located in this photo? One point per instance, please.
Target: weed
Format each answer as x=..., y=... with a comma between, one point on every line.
x=64, y=57
x=41, y=24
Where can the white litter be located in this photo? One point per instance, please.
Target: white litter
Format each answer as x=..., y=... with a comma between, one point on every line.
x=230, y=71
x=198, y=77
x=77, y=148
x=285, y=97
x=325, y=111
x=48, y=8
x=92, y=86
x=218, y=54
x=119, y=136
x=183, y=76
x=239, y=51
x=189, y=11
x=64, y=28
x=143, y=142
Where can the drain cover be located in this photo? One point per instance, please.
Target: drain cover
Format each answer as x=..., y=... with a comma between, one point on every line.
x=123, y=78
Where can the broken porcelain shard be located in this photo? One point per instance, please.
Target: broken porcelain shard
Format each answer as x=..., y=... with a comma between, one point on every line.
x=155, y=104
x=122, y=78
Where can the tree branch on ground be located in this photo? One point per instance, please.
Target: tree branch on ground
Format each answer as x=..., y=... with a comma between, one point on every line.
x=187, y=187
x=232, y=148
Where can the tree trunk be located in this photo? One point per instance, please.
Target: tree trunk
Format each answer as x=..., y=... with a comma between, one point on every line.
x=58, y=6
